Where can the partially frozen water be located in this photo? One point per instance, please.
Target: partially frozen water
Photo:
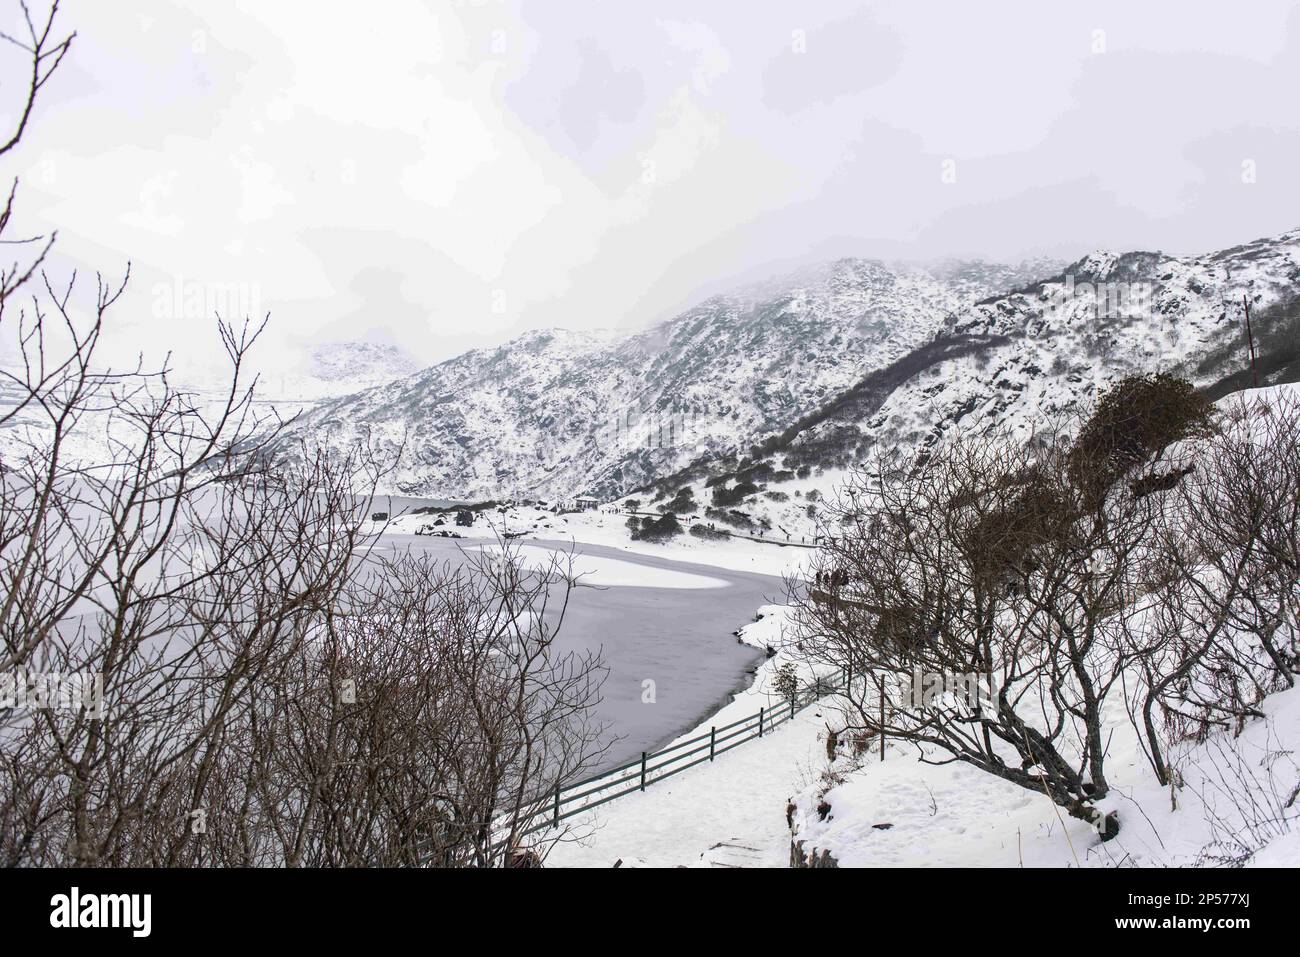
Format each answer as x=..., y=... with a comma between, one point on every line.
x=679, y=638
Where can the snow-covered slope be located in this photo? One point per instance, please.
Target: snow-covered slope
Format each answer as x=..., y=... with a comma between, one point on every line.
x=904, y=813
x=325, y=370
x=806, y=374
x=1015, y=361
x=555, y=413
x=1233, y=800
x=288, y=385
x=1059, y=342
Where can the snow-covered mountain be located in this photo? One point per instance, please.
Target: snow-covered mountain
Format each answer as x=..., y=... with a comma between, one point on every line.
x=812, y=371
x=1018, y=361
x=333, y=369
x=555, y=413
x=288, y=384
x=1044, y=351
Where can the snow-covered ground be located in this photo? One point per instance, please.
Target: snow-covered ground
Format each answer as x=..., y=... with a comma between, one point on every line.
x=901, y=812
x=956, y=816
x=608, y=572
x=730, y=812
x=1236, y=797
x=608, y=527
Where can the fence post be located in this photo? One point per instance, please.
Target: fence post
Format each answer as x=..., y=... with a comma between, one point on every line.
x=555, y=821
x=713, y=740
x=792, y=697
x=642, y=770
x=760, y=722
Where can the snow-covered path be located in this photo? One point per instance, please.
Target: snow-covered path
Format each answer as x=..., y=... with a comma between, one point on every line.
x=729, y=813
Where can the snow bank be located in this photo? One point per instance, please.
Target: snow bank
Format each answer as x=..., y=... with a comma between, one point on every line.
x=1230, y=802
x=609, y=528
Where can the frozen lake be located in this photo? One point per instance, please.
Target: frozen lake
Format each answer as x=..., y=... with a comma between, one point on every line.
x=675, y=630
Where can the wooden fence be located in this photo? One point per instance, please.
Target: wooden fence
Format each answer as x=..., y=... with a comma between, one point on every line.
x=637, y=775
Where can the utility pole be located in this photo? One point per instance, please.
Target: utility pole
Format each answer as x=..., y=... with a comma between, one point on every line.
x=1250, y=339
x=880, y=681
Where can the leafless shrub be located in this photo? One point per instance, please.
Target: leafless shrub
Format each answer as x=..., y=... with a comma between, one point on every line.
x=1050, y=570
x=271, y=694
x=982, y=566
x=1247, y=796
x=1222, y=626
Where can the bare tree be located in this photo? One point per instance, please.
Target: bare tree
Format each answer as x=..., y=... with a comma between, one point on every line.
x=429, y=722
x=978, y=585
x=1222, y=627
x=254, y=689
x=1026, y=584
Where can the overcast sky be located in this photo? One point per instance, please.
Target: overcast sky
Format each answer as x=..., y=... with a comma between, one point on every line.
x=450, y=174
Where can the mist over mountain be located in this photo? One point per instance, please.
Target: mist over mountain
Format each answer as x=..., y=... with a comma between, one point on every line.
x=814, y=369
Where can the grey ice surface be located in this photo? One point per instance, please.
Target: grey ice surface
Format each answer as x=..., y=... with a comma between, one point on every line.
x=680, y=638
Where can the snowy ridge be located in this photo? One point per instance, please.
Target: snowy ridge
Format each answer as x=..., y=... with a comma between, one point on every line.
x=1057, y=344
x=324, y=371
x=818, y=368
x=1039, y=354
x=557, y=413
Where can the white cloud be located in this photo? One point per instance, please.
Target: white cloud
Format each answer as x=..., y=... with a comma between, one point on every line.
x=457, y=173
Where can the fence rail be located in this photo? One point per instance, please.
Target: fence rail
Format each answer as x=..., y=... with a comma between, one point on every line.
x=591, y=792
